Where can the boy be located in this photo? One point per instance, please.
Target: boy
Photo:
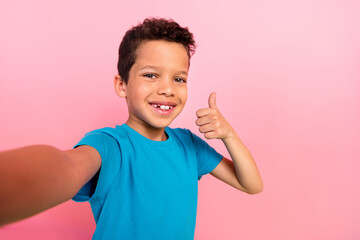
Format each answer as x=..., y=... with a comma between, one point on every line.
x=141, y=177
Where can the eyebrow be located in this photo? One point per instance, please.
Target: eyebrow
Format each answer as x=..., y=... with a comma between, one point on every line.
x=156, y=68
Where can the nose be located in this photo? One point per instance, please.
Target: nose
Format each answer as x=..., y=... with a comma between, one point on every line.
x=166, y=87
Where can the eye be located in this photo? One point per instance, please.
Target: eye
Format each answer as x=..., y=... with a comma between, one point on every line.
x=149, y=75
x=180, y=80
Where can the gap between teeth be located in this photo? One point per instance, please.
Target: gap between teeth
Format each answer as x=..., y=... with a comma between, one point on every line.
x=162, y=107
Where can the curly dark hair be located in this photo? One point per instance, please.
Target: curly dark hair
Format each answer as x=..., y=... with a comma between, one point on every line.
x=151, y=29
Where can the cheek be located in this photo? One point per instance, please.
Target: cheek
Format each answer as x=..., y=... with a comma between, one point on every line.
x=139, y=91
x=182, y=93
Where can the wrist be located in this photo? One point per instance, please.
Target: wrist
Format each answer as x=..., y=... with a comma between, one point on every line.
x=230, y=136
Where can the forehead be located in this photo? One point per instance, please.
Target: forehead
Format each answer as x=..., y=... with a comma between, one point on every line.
x=162, y=53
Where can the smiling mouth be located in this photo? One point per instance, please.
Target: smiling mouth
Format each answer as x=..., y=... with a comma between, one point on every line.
x=162, y=108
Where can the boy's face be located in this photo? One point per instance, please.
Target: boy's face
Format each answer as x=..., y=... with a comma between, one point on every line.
x=156, y=91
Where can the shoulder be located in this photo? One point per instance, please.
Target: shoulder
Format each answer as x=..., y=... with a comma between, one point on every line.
x=191, y=139
x=180, y=132
x=107, y=133
x=111, y=131
x=106, y=140
x=185, y=134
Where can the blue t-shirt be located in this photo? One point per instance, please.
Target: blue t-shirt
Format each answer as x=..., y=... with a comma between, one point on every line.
x=146, y=189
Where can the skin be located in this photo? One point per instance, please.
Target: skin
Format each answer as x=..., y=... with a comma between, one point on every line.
x=159, y=74
x=36, y=178
x=241, y=172
x=166, y=80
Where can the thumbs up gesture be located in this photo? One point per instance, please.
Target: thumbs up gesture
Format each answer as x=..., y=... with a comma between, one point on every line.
x=212, y=123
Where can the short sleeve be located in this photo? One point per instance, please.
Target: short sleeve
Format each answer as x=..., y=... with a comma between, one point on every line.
x=109, y=150
x=207, y=157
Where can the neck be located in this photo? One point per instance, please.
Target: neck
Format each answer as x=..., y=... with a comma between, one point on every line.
x=152, y=133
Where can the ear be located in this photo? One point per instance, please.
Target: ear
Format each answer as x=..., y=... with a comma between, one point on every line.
x=120, y=86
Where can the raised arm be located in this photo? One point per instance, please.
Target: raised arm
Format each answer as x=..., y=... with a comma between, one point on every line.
x=241, y=172
x=36, y=178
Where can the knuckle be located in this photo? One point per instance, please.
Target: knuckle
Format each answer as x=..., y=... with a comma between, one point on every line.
x=199, y=112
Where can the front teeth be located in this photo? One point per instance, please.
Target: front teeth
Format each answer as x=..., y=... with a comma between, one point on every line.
x=162, y=107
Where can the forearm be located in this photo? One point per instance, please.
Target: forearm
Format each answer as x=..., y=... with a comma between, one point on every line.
x=33, y=179
x=245, y=166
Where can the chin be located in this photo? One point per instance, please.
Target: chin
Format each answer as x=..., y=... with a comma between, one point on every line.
x=164, y=122
x=161, y=124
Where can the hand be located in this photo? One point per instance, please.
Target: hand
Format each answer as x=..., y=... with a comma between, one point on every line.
x=212, y=123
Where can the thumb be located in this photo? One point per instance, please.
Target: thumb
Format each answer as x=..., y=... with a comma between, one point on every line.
x=212, y=100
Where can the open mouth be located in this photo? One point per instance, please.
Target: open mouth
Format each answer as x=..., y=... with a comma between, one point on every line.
x=163, y=108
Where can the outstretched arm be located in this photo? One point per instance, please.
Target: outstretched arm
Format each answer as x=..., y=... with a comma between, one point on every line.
x=241, y=172
x=36, y=178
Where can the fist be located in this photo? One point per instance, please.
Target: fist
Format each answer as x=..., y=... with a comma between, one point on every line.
x=211, y=123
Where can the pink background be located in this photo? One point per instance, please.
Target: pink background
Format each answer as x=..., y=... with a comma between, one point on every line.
x=287, y=76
